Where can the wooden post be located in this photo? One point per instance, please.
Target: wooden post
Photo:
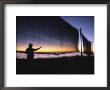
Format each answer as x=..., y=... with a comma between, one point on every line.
x=81, y=40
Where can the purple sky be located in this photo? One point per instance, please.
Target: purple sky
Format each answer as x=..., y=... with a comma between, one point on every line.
x=86, y=23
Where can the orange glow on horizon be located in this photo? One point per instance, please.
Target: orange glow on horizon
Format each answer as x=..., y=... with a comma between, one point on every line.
x=49, y=49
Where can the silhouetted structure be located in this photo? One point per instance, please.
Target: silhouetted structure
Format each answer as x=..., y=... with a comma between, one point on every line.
x=30, y=52
x=51, y=32
x=86, y=45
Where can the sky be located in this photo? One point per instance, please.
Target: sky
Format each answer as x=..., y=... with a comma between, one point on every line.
x=26, y=33
x=86, y=23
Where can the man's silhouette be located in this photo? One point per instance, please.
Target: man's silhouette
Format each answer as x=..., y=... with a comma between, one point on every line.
x=30, y=52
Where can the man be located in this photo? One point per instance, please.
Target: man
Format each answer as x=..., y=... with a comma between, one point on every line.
x=30, y=52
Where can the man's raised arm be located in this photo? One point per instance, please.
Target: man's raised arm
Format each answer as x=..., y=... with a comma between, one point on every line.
x=37, y=48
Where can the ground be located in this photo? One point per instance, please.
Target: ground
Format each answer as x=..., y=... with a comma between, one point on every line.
x=62, y=65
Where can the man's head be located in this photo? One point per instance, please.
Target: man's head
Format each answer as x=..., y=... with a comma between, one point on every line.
x=30, y=45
